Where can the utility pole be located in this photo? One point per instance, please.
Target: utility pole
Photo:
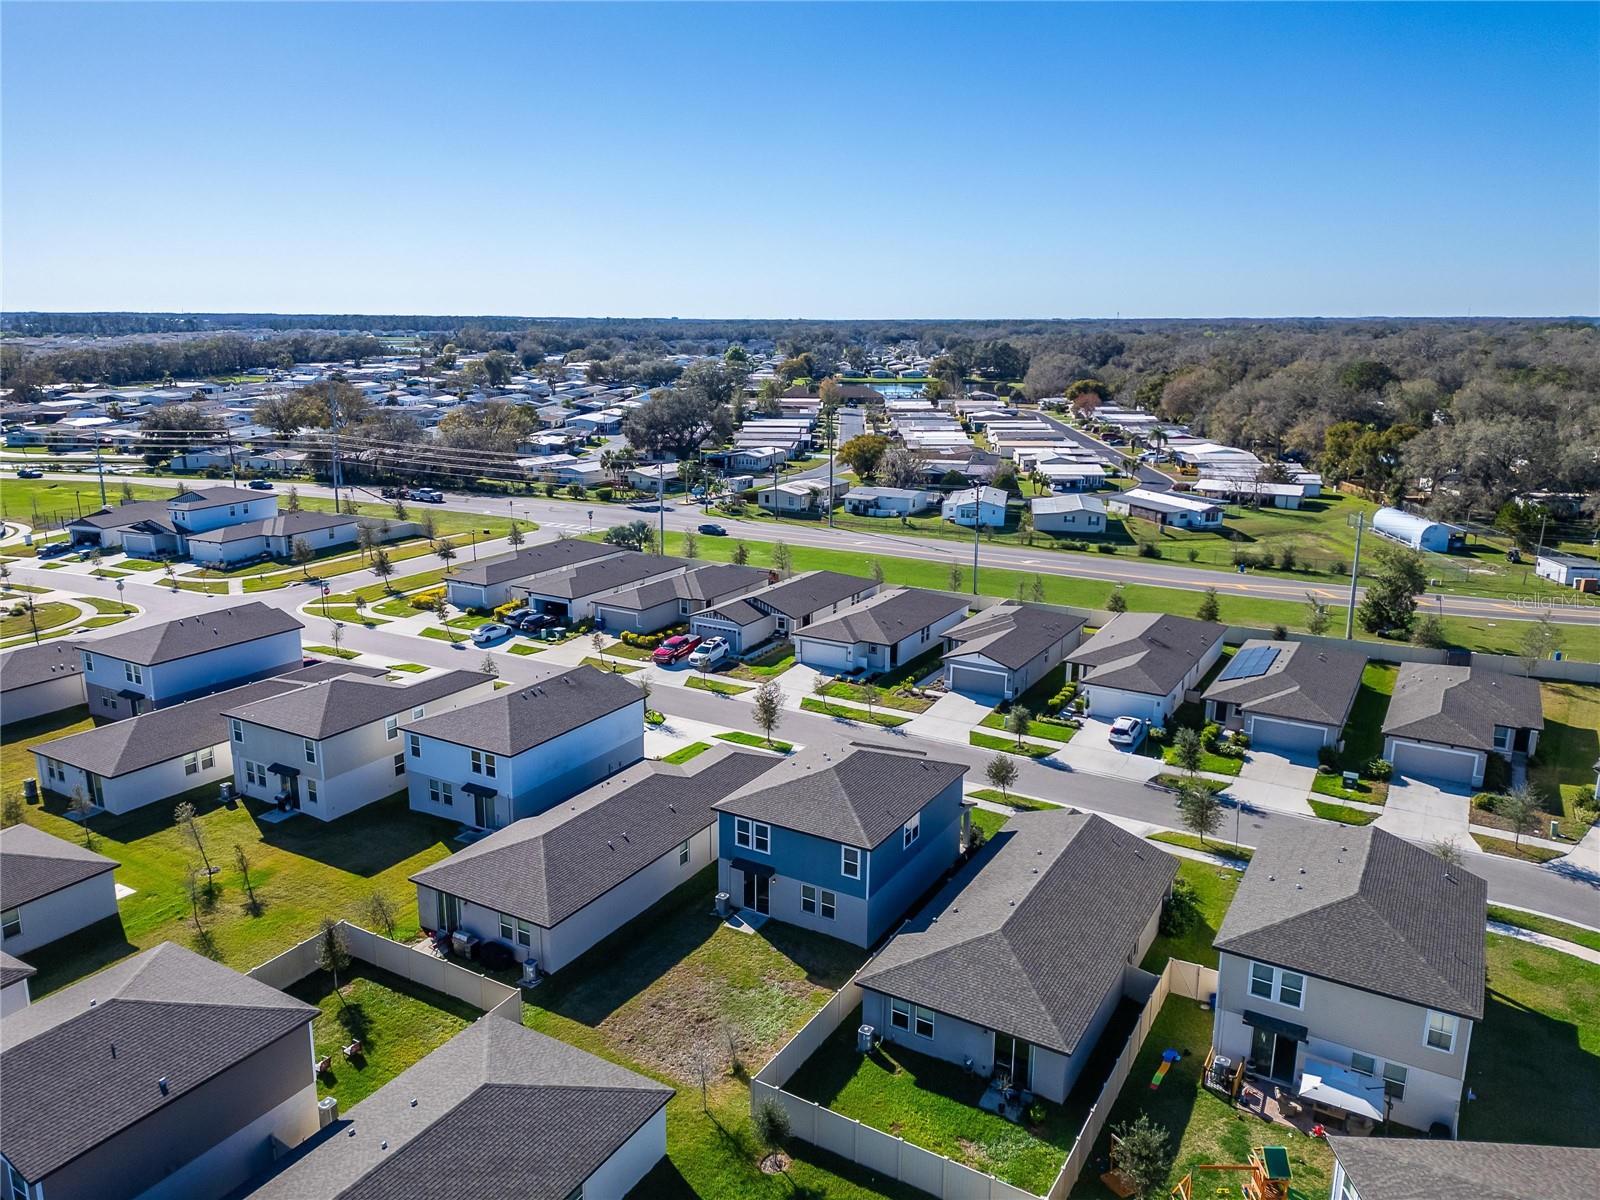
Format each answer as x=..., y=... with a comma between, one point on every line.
x=1537, y=550
x=333, y=412
x=661, y=507
x=1355, y=571
x=100, y=467
x=977, y=529
x=233, y=466
x=829, y=430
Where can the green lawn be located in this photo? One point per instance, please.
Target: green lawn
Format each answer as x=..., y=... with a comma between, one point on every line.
x=684, y=753
x=1214, y=887
x=49, y=615
x=882, y=697
x=397, y=1022
x=1342, y=813
x=409, y=668
x=990, y=822
x=333, y=651
x=775, y=661
x=707, y=684
x=1569, y=747
x=523, y=648
x=1011, y=799
x=1009, y=744
x=1509, y=848
x=1172, y=779
x=1050, y=731
x=1217, y=764
x=846, y=713
x=612, y=665
x=1545, y=925
x=1368, y=791
x=740, y=738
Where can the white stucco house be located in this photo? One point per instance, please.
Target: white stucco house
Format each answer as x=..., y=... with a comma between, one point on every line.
x=1142, y=664
x=42, y=679
x=880, y=634
x=49, y=888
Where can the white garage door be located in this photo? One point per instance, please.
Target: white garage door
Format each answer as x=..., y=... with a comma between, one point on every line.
x=977, y=682
x=1289, y=737
x=824, y=656
x=1434, y=762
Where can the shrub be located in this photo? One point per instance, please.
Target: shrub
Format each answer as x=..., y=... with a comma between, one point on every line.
x=1149, y=550
x=1211, y=735
x=1327, y=756
x=423, y=601
x=1106, y=548
x=1181, y=911
x=1286, y=558
x=550, y=489
x=1380, y=768
x=1496, y=774
x=1194, y=554
x=1280, y=633
x=604, y=493
x=1484, y=800
x=1338, y=567
x=1158, y=735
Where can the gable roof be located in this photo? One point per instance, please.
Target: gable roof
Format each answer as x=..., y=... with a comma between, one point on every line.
x=235, y=625
x=34, y=864
x=347, y=702
x=532, y=560
x=1033, y=933
x=586, y=578
x=703, y=585
x=1458, y=706
x=170, y=1013
x=1148, y=653
x=886, y=618
x=1012, y=634
x=29, y=665
x=806, y=593
x=546, y=867
x=858, y=798
x=283, y=525
x=13, y=970
x=1424, y=1169
x=211, y=497
x=519, y=719
x=124, y=515
x=1294, y=680
x=1363, y=908
x=735, y=612
x=497, y=1112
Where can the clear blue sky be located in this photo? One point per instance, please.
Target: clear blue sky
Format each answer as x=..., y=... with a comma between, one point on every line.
x=791, y=160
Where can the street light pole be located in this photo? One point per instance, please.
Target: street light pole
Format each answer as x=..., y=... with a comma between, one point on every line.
x=977, y=528
x=1355, y=571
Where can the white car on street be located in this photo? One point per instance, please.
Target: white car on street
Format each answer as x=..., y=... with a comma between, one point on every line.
x=709, y=653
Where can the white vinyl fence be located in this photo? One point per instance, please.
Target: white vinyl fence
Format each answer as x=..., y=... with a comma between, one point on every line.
x=295, y=963
x=933, y=1173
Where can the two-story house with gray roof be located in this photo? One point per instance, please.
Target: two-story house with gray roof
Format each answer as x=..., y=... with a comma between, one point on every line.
x=880, y=634
x=1351, y=973
x=841, y=843
x=551, y=886
x=164, y=1077
x=1019, y=963
x=1368, y=1168
x=1007, y=648
x=1292, y=697
x=1444, y=722
x=1141, y=664
x=50, y=887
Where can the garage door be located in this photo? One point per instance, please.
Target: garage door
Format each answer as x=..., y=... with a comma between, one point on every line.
x=1434, y=762
x=976, y=682
x=1288, y=737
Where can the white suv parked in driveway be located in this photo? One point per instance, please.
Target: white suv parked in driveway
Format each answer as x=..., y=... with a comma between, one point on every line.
x=1126, y=731
x=709, y=653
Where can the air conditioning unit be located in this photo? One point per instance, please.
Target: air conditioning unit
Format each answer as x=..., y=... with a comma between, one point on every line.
x=1221, y=1070
x=225, y=792
x=866, y=1038
x=724, y=904
x=327, y=1111
x=530, y=973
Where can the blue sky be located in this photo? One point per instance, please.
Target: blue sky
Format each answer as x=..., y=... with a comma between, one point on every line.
x=795, y=160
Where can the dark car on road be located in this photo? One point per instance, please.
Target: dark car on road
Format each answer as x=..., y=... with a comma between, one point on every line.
x=713, y=530
x=29, y=473
x=260, y=485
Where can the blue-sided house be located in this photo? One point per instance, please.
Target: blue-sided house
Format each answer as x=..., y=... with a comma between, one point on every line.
x=843, y=843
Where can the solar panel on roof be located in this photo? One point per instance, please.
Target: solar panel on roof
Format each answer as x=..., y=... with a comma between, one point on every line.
x=1248, y=664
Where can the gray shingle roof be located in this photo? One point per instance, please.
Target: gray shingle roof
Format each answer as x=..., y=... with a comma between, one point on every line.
x=34, y=863
x=702, y=585
x=515, y=720
x=13, y=969
x=886, y=618
x=217, y=630
x=1034, y=932
x=496, y=1113
x=1013, y=635
x=1423, y=1169
x=1304, y=683
x=857, y=798
x=282, y=525
x=348, y=702
x=1459, y=706
x=1148, y=653
x=210, y=497
x=39, y=664
x=1366, y=909
x=170, y=1013
x=585, y=579
x=531, y=560
x=805, y=594
x=735, y=612
x=125, y=515
x=545, y=868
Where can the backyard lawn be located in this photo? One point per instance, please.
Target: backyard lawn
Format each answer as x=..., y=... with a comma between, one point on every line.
x=1569, y=747
x=1214, y=887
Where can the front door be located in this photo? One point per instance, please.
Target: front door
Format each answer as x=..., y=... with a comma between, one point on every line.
x=483, y=811
x=1274, y=1055
x=756, y=892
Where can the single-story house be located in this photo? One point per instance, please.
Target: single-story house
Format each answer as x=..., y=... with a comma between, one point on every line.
x=1166, y=508
x=1016, y=967
x=36, y=680
x=276, y=462
x=1007, y=648
x=1072, y=476
x=1444, y=722
x=1141, y=664
x=888, y=501
x=782, y=608
x=550, y=886
x=49, y=887
x=984, y=506
x=107, y=527
x=1288, y=696
x=758, y=460
x=209, y=458
x=572, y=592
x=499, y=1112
x=1569, y=570
x=880, y=634
x=166, y=1076
x=1402, y=1168
x=801, y=495
x=14, y=976
x=486, y=584
x=1251, y=491
x=1070, y=513
x=672, y=599
x=654, y=477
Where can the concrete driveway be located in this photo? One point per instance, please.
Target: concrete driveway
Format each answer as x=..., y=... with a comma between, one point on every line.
x=1269, y=779
x=1427, y=812
x=1091, y=751
x=951, y=718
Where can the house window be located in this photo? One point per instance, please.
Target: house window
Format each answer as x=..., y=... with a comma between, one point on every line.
x=1502, y=738
x=132, y=672
x=683, y=854
x=311, y=791
x=830, y=905
x=391, y=728
x=850, y=862
x=761, y=837
x=1290, y=985
x=912, y=831
x=416, y=745
x=236, y=729
x=18, y=1189
x=310, y=748
x=1442, y=1031
x=922, y=1021
x=483, y=763
x=1291, y=989
x=440, y=792
x=400, y=764
x=416, y=713
x=1363, y=1064
x=88, y=661
x=741, y=832
x=191, y=764
x=10, y=922
x=514, y=929
x=1394, y=1081
x=255, y=774
x=54, y=770
x=808, y=898
x=208, y=758
x=900, y=1014
x=1261, y=981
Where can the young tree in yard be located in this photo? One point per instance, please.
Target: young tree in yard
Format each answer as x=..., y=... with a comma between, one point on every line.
x=1139, y=1154
x=12, y=811
x=366, y=539
x=382, y=567
x=1036, y=589
x=1391, y=600
x=1446, y=851
x=865, y=694
x=301, y=554
x=772, y=1127
x=336, y=637
x=196, y=890
x=1428, y=632
x=1117, y=602
x=691, y=544
x=1209, y=609
x=741, y=554
x=1187, y=749
x=1542, y=639
x=703, y=1063
x=292, y=500
x=642, y=682
x=875, y=569
x=441, y=609
x=1318, y=618
x=333, y=956
x=598, y=641
x=820, y=686
x=82, y=808
x=956, y=577
x=242, y=861
x=1521, y=809
x=515, y=536
x=1199, y=807
x=1017, y=722
x=1002, y=772
x=769, y=707
x=733, y=1039
x=445, y=551
x=782, y=559
x=488, y=666
x=185, y=816
x=383, y=914
x=400, y=511
x=429, y=525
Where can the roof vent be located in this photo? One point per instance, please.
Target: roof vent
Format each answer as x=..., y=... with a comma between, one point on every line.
x=352, y=1132
x=1302, y=870
x=1272, y=879
x=162, y=1084
x=383, y=1145
x=609, y=846
x=413, y=1102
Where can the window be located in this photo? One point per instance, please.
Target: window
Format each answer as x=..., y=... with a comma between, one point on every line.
x=18, y=1189
x=132, y=672
x=255, y=774
x=1363, y=1064
x=1394, y=1081
x=10, y=922
x=416, y=713
x=236, y=729
x=440, y=792
x=311, y=749
x=1291, y=988
x=1442, y=1032
x=683, y=854
x=912, y=831
x=1261, y=981
x=922, y=1024
x=850, y=862
x=208, y=758
x=415, y=743
x=515, y=929
x=900, y=1014
x=88, y=661
x=1502, y=738
x=391, y=728
x=763, y=838
x=54, y=770
x=191, y=764
x=741, y=832
x=830, y=905
x=400, y=763
x=1274, y=983
x=808, y=898
x=483, y=763
x=311, y=791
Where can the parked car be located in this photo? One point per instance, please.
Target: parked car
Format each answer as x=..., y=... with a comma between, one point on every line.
x=675, y=649
x=515, y=617
x=1126, y=731
x=392, y=493
x=51, y=549
x=534, y=622
x=711, y=652
x=493, y=631
x=712, y=530
x=29, y=473
x=426, y=495
x=260, y=485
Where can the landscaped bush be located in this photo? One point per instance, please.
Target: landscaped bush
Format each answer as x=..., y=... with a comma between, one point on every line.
x=1496, y=774
x=604, y=493
x=1063, y=698
x=1106, y=548
x=1149, y=550
x=509, y=607
x=1379, y=768
x=1485, y=801
x=423, y=601
x=1327, y=757
x=1181, y=911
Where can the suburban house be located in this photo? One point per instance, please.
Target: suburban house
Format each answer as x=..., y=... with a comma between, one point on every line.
x=276, y=537
x=801, y=496
x=842, y=844
x=1141, y=664
x=758, y=460
x=552, y=885
x=166, y=1076
x=654, y=477
x=673, y=599
x=889, y=501
x=487, y=584
x=1166, y=508
x=331, y=747
x=14, y=976
x=42, y=679
x=1017, y=965
x=524, y=750
x=570, y=593
x=985, y=506
x=1007, y=648
x=1351, y=972
x=162, y=528
x=880, y=634
x=1072, y=476
x=105, y=529
x=50, y=887
x=157, y=665
x=1288, y=696
x=499, y=1112
x=780, y=609
x=1369, y=1168
x=1569, y=570
x=1070, y=513
x=1257, y=492
x=1444, y=722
